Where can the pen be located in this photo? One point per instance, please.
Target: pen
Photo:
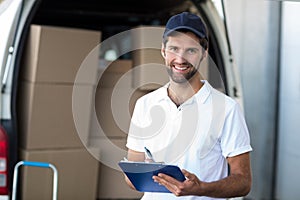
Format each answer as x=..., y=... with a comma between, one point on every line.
x=149, y=154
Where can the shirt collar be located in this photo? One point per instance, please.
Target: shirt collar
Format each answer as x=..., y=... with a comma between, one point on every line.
x=201, y=95
x=204, y=92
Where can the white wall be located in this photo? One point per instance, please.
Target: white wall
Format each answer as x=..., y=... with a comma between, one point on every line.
x=254, y=34
x=289, y=134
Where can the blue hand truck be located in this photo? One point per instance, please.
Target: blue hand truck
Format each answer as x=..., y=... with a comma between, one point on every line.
x=35, y=164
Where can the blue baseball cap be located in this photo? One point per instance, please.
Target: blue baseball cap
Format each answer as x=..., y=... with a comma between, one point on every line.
x=188, y=21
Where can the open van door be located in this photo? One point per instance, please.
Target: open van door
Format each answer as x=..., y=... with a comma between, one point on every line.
x=9, y=18
x=10, y=12
x=12, y=19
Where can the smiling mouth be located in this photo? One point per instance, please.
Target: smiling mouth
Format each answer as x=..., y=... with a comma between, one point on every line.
x=181, y=67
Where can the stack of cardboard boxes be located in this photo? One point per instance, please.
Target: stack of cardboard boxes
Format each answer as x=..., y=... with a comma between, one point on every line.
x=148, y=58
x=47, y=131
x=112, y=184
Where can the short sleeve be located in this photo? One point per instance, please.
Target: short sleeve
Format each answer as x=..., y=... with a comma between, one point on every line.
x=235, y=139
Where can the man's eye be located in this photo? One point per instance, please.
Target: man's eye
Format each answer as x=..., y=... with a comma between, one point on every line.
x=173, y=49
x=192, y=51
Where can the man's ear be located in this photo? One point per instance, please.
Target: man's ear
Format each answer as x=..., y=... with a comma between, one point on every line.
x=163, y=51
x=205, y=54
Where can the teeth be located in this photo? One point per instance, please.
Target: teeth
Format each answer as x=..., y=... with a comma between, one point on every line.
x=180, y=68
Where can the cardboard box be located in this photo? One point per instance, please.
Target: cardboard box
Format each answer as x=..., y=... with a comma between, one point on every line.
x=152, y=73
x=112, y=183
x=114, y=99
x=77, y=175
x=112, y=72
x=54, y=55
x=46, y=117
x=113, y=186
x=113, y=113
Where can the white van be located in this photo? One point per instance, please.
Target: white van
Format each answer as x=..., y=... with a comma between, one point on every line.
x=99, y=20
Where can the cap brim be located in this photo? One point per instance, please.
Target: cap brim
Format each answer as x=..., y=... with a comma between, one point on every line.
x=199, y=34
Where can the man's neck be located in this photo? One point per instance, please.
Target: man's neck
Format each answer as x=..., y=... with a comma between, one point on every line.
x=181, y=92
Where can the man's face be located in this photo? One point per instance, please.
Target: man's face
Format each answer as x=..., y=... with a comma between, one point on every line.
x=183, y=55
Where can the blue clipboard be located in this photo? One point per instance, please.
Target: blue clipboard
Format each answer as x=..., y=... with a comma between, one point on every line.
x=140, y=174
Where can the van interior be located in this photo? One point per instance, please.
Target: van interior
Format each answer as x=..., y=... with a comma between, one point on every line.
x=114, y=16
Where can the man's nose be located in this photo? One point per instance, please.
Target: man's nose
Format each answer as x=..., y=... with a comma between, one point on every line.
x=180, y=56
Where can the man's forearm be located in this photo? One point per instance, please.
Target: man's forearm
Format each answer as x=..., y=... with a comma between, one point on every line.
x=233, y=186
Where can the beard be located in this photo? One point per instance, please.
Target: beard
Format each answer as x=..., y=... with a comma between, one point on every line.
x=181, y=77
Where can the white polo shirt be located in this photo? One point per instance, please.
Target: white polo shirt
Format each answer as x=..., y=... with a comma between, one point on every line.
x=197, y=136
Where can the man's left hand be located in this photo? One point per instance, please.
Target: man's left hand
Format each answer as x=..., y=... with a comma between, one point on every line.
x=191, y=186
